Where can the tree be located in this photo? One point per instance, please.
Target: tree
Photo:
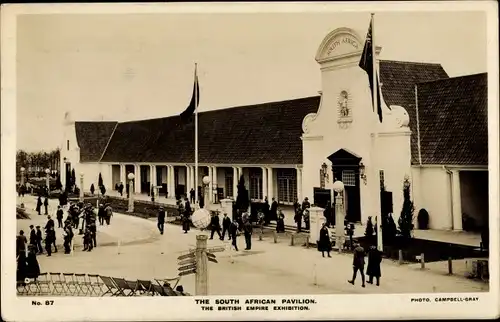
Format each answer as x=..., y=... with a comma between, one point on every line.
x=99, y=183
x=405, y=221
x=242, y=198
x=68, y=180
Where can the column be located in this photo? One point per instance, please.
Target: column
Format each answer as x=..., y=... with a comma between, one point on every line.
x=299, y=184
x=264, y=183
x=316, y=220
x=137, y=178
x=210, y=184
x=270, y=184
x=214, y=184
x=171, y=181
x=123, y=174
x=456, y=200
x=188, y=181
x=152, y=175
x=235, y=182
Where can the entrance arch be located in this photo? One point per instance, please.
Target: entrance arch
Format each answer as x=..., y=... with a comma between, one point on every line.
x=345, y=167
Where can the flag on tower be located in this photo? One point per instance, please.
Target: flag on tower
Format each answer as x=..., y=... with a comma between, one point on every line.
x=195, y=98
x=367, y=63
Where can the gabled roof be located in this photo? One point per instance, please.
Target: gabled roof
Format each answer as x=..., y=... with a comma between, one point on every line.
x=92, y=139
x=453, y=117
x=270, y=133
x=398, y=88
x=266, y=133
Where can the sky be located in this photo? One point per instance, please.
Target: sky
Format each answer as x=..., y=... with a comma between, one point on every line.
x=136, y=66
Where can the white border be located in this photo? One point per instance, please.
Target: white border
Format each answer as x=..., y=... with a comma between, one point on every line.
x=182, y=308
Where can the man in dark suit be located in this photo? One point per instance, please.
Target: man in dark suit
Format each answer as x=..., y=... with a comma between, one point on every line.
x=358, y=263
x=233, y=233
x=215, y=226
x=161, y=220
x=226, y=223
x=39, y=238
x=247, y=228
x=32, y=236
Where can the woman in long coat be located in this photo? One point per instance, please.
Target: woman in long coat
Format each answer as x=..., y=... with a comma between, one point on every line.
x=39, y=205
x=324, y=244
x=33, y=269
x=280, y=223
x=373, y=269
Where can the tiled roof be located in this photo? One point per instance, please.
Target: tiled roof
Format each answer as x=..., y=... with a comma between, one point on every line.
x=453, y=117
x=270, y=133
x=258, y=134
x=92, y=138
x=398, y=88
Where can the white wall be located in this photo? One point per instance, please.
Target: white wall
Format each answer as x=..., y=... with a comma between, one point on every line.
x=432, y=191
x=91, y=175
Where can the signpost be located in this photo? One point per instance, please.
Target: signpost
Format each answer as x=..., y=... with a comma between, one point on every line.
x=215, y=249
x=187, y=267
x=191, y=271
x=190, y=255
x=187, y=261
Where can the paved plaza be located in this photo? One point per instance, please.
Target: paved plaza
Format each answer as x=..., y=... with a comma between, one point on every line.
x=145, y=254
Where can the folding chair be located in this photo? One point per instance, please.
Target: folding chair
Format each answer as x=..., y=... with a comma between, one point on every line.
x=32, y=287
x=159, y=290
x=57, y=283
x=71, y=284
x=112, y=288
x=83, y=283
x=169, y=281
x=21, y=288
x=96, y=286
x=43, y=282
x=147, y=287
x=169, y=290
x=134, y=287
x=122, y=285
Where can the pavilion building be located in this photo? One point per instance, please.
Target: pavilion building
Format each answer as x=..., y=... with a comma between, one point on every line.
x=433, y=132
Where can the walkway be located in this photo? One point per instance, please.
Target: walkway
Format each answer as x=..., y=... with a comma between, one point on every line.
x=447, y=236
x=267, y=269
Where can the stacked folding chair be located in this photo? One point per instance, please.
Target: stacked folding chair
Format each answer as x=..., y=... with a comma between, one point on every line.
x=83, y=283
x=72, y=286
x=123, y=287
x=96, y=286
x=112, y=288
x=43, y=282
x=58, y=285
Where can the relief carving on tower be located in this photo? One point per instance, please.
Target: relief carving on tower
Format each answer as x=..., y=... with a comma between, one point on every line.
x=344, y=110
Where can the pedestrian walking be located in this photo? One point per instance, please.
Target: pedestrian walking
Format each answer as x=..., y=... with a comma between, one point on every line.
x=32, y=236
x=161, y=220
x=186, y=217
x=324, y=243
x=68, y=237
x=280, y=222
x=87, y=240
x=21, y=242
x=39, y=239
x=46, y=205
x=248, y=234
x=215, y=226
x=369, y=231
x=109, y=214
x=298, y=220
x=93, y=232
x=48, y=243
x=358, y=264
x=373, y=268
x=226, y=224
x=50, y=223
x=101, y=214
x=233, y=232
x=39, y=205
x=59, y=216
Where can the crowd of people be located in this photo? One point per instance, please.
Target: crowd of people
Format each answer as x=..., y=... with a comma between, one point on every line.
x=80, y=217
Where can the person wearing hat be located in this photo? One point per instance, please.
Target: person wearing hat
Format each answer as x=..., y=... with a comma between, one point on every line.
x=215, y=226
x=101, y=214
x=358, y=264
x=161, y=220
x=306, y=204
x=59, y=216
x=39, y=238
x=32, y=236
x=226, y=223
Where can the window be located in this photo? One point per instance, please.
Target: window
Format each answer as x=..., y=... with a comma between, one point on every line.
x=287, y=185
x=255, y=185
x=349, y=178
x=229, y=185
x=67, y=145
x=382, y=179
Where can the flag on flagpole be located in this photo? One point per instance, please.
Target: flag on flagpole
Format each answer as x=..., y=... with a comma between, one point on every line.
x=193, y=104
x=367, y=63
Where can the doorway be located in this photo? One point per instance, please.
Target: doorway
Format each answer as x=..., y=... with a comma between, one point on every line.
x=345, y=167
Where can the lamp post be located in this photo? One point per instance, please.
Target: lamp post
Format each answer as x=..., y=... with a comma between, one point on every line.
x=22, y=176
x=81, y=187
x=131, y=177
x=338, y=187
x=206, y=190
x=47, y=180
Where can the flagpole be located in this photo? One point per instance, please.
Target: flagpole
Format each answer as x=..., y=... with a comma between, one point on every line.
x=376, y=188
x=196, y=136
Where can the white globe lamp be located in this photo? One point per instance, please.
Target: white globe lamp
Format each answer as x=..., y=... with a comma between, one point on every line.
x=22, y=169
x=131, y=176
x=201, y=218
x=338, y=186
x=206, y=180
